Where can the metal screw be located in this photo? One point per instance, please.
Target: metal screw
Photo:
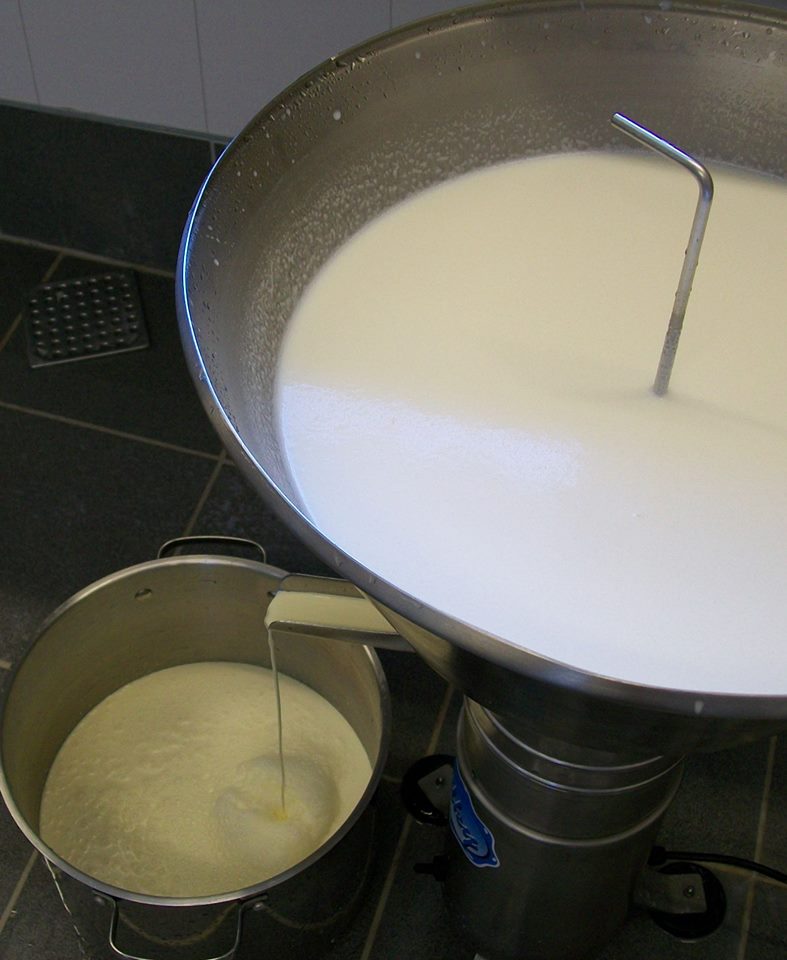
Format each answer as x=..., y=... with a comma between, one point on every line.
x=689, y=891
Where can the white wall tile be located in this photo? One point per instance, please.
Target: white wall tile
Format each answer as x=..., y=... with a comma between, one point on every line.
x=252, y=49
x=16, y=75
x=132, y=59
x=403, y=11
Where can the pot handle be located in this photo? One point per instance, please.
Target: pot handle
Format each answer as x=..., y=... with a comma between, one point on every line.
x=171, y=545
x=113, y=926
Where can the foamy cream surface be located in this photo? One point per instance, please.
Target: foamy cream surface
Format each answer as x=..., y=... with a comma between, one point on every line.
x=464, y=397
x=171, y=786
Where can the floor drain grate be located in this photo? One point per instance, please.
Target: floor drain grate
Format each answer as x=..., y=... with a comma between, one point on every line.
x=90, y=316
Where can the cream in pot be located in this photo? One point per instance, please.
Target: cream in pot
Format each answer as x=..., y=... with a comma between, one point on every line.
x=171, y=785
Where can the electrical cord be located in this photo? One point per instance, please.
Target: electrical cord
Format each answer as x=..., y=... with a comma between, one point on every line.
x=659, y=856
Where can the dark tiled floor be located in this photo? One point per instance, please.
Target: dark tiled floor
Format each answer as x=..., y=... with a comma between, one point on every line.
x=117, y=191
x=768, y=924
x=39, y=927
x=775, y=840
x=103, y=461
x=78, y=504
x=21, y=268
x=693, y=821
x=16, y=853
x=117, y=391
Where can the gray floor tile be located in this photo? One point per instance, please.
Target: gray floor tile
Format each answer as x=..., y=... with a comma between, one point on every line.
x=775, y=845
x=112, y=190
x=390, y=819
x=417, y=694
x=21, y=269
x=146, y=392
x=416, y=923
x=39, y=928
x=16, y=852
x=717, y=807
x=768, y=929
x=78, y=505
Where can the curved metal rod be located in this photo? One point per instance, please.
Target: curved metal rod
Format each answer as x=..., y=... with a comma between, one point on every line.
x=705, y=183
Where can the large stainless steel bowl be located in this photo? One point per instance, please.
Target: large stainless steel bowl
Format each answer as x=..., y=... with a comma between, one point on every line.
x=412, y=108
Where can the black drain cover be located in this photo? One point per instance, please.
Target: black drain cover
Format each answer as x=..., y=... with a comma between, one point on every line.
x=90, y=316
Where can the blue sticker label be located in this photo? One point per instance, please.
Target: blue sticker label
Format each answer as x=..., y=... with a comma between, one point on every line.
x=471, y=834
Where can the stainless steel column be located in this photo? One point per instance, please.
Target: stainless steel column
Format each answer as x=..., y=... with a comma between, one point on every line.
x=550, y=838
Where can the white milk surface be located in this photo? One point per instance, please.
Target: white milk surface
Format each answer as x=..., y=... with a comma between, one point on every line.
x=171, y=786
x=464, y=396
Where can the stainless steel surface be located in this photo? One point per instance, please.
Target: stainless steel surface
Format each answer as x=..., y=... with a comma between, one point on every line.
x=180, y=544
x=413, y=108
x=112, y=937
x=573, y=793
x=692, y=254
x=572, y=831
x=157, y=615
x=287, y=920
x=311, y=587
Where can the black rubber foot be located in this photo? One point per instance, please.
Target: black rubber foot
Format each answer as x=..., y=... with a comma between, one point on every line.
x=416, y=801
x=694, y=926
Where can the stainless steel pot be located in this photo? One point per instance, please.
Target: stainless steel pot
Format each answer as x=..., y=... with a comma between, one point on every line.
x=415, y=107
x=157, y=615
